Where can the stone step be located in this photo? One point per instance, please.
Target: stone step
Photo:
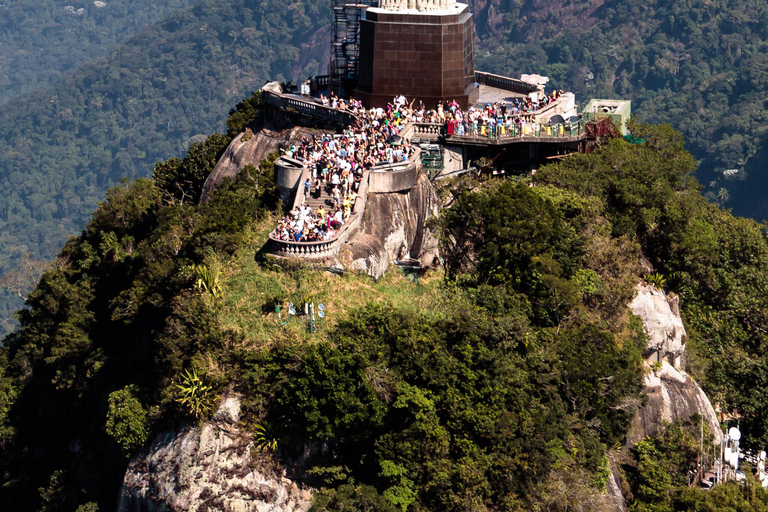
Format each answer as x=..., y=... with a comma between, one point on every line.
x=325, y=200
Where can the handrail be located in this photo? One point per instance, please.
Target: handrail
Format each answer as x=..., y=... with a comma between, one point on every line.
x=531, y=131
x=272, y=94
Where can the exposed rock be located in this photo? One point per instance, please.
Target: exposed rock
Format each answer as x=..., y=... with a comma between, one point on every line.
x=613, y=494
x=661, y=318
x=672, y=395
x=394, y=229
x=364, y=253
x=243, y=151
x=207, y=468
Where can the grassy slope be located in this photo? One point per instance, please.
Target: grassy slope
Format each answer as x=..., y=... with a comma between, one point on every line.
x=250, y=290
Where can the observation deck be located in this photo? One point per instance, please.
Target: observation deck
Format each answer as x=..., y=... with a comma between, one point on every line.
x=553, y=126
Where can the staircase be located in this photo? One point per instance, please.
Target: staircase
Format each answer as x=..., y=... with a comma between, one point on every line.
x=325, y=199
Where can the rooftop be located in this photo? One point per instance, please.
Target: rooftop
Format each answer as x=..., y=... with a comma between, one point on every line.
x=489, y=94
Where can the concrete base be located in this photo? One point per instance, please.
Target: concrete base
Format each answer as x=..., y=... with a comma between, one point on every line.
x=424, y=56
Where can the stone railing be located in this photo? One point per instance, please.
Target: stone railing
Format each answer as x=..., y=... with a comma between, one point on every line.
x=324, y=248
x=504, y=82
x=272, y=94
x=428, y=131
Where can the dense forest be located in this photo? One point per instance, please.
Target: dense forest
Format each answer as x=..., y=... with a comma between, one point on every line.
x=498, y=382
x=699, y=65
x=40, y=40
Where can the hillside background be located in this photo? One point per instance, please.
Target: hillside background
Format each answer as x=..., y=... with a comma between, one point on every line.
x=88, y=99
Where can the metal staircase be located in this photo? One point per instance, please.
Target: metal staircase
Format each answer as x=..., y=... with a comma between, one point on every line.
x=345, y=45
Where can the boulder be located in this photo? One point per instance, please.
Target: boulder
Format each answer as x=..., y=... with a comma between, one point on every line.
x=245, y=150
x=398, y=221
x=205, y=468
x=393, y=228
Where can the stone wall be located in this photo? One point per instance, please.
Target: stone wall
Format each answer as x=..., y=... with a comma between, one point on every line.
x=287, y=176
x=397, y=180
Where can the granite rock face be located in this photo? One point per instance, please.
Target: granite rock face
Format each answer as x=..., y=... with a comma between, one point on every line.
x=208, y=468
x=245, y=150
x=393, y=228
x=660, y=314
x=672, y=395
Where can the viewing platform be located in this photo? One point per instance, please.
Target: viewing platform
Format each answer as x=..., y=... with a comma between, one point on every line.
x=383, y=178
x=528, y=138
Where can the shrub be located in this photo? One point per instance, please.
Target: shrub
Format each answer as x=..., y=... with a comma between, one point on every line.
x=126, y=419
x=195, y=394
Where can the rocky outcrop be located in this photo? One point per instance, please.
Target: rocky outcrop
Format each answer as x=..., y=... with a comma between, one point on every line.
x=672, y=395
x=207, y=468
x=250, y=150
x=393, y=228
x=614, y=497
x=660, y=314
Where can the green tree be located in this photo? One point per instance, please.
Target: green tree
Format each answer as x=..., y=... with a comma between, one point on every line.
x=655, y=481
x=127, y=419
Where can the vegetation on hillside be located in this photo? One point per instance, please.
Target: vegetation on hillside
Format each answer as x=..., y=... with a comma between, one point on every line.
x=40, y=39
x=698, y=65
x=499, y=383
x=63, y=147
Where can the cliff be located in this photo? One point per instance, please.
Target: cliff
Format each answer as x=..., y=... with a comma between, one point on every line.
x=250, y=150
x=672, y=393
x=393, y=228
x=210, y=467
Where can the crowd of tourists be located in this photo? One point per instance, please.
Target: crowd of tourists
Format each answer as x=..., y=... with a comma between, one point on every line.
x=337, y=161
x=499, y=118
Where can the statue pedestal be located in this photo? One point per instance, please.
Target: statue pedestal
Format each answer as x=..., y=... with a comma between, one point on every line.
x=425, y=56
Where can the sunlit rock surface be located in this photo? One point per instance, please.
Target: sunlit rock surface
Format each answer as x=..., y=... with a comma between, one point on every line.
x=209, y=467
x=393, y=228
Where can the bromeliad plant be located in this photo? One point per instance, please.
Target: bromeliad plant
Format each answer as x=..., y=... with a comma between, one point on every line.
x=656, y=280
x=266, y=436
x=195, y=394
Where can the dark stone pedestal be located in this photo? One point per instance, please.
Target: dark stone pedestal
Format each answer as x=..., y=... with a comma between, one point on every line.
x=424, y=56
